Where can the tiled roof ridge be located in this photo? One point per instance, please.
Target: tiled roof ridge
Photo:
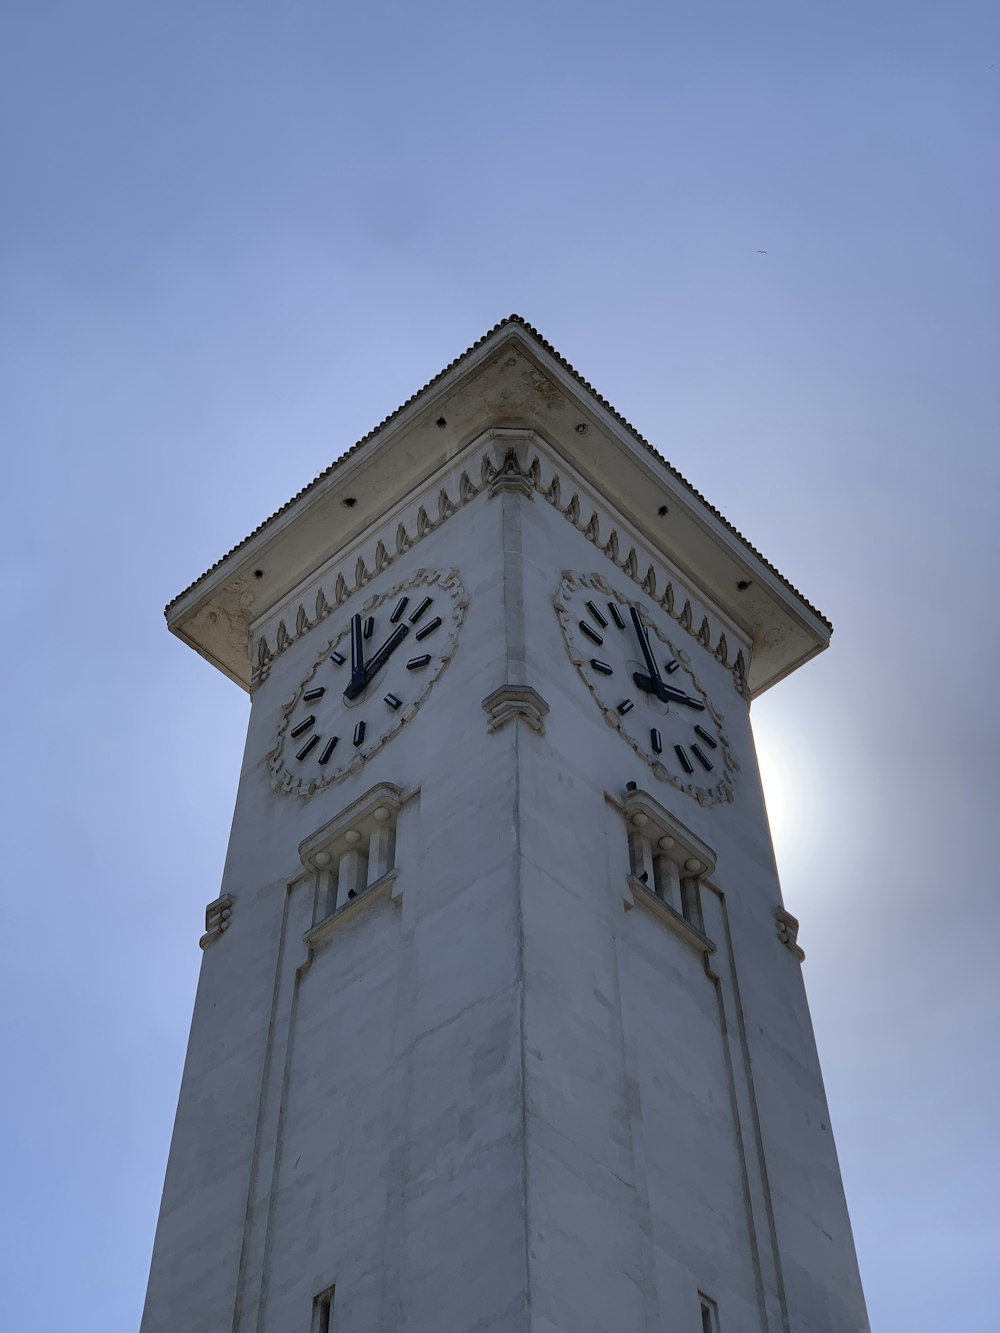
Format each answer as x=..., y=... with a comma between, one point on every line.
x=543, y=342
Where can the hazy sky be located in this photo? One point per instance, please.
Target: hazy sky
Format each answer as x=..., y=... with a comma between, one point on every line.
x=235, y=236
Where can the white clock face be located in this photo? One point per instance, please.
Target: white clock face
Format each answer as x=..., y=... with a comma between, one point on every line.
x=368, y=681
x=645, y=686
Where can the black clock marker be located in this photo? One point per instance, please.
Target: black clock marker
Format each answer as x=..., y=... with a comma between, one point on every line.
x=337, y=659
x=311, y=695
x=359, y=733
x=591, y=633
x=429, y=628
x=399, y=609
x=616, y=615
x=328, y=749
x=602, y=667
x=682, y=755
x=625, y=706
x=656, y=741
x=706, y=736
x=393, y=701
x=601, y=620
x=671, y=666
x=415, y=615
x=415, y=663
x=313, y=740
x=369, y=627
x=702, y=758
x=303, y=726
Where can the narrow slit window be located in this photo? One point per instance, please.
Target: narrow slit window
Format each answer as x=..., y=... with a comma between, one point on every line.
x=322, y=1321
x=709, y=1314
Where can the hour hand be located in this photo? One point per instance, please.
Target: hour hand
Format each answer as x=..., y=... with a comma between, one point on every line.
x=666, y=693
x=650, y=686
x=645, y=683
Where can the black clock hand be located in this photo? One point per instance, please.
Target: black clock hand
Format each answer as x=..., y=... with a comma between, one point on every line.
x=678, y=696
x=377, y=661
x=666, y=693
x=358, y=677
x=656, y=681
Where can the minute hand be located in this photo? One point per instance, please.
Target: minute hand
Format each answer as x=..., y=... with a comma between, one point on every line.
x=642, y=634
x=357, y=659
x=377, y=660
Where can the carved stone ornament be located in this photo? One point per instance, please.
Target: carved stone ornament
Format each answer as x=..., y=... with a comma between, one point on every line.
x=348, y=730
x=684, y=743
x=788, y=932
x=217, y=916
x=511, y=703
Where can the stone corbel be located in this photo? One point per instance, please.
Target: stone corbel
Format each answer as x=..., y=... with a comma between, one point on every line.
x=217, y=915
x=510, y=471
x=513, y=702
x=788, y=931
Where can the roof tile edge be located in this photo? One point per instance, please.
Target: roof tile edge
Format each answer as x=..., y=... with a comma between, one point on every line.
x=519, y=321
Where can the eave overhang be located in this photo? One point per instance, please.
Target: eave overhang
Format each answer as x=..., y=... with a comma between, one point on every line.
x=509, y=378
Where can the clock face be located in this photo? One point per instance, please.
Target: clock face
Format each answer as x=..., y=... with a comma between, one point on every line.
x=645, y=686
x=368, y=681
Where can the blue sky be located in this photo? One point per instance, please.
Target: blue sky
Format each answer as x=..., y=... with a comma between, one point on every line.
x=235, y=236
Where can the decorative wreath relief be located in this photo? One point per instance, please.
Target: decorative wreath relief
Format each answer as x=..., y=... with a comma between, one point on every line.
x=368, y=681
x=645, y=687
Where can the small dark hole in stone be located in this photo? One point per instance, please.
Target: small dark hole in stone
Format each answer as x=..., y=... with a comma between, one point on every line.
x=743, y=584
x=349, y=502
x=663, y=511
x=258, y=573
x=442, y=422
x=581, y=428
x=631, y=786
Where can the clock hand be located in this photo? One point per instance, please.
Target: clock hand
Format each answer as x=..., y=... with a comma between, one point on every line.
x=358, y=677
x=657, y=686
x=666, y=693
x=377, y=661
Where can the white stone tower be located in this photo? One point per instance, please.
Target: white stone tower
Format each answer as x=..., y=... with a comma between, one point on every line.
x=501, y=1023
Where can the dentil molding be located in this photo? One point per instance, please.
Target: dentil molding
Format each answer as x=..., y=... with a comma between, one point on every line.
x=510, y=474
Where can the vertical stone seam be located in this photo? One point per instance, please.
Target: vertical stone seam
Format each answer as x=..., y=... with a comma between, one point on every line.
x=755, y=1117
x=518, y=890
x=515, y=667
x=258, y=1128
x=398, y=1148
x=633, y=1108
x=515, y=647
x=293, y=1012
x=734, y=1104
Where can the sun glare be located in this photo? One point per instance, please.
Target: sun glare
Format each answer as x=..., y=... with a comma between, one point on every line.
x=776, y=777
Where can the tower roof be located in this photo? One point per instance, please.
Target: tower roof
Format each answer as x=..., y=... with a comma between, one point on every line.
x=214, y=613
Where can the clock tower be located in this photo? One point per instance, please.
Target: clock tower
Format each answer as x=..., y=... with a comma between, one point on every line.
x=501, y=1023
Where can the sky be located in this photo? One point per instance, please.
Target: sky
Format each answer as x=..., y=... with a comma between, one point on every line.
x=234, y=236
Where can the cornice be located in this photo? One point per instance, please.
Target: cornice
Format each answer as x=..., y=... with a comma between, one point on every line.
x=510, y=378
x=515, y=328
x=495, y=476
